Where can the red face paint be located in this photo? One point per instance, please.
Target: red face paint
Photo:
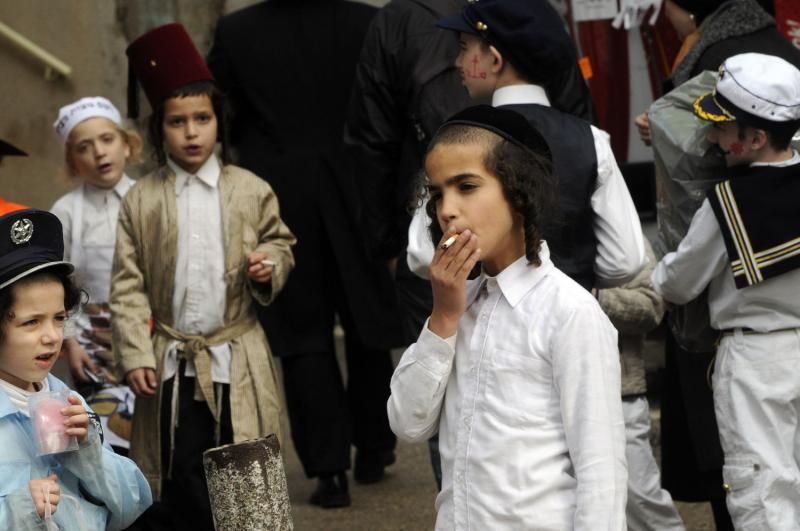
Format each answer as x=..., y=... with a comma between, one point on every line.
x=474, y=72
x=737, y=148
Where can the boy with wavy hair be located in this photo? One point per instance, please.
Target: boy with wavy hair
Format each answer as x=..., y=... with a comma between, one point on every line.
x=518, y=368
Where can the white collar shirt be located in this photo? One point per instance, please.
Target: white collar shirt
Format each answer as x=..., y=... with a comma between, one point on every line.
x=96, y=211
x=701, y=260
x=620, y=243
x=99, y=217
x=526, y=402
x=198, y=302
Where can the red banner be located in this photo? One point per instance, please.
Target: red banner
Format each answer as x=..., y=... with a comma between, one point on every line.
x=787, y=15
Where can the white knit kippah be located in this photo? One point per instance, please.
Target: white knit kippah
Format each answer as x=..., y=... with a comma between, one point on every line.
x=71, y=115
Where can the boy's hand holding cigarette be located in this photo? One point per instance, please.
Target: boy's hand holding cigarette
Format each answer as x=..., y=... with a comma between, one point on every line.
x=260, y=267
x=452, y=263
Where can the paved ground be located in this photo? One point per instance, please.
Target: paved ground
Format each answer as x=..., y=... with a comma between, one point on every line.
x=403, y=501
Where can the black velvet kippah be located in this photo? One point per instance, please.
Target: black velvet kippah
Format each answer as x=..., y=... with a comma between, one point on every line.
x=510, y=125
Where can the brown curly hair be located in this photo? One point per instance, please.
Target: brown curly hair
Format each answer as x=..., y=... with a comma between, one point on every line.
x=526, y=177
x=73, y=294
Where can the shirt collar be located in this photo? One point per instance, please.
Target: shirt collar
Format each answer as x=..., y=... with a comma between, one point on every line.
x=789, y=162
x=516, y=280
x=519, y=94
x=207, y=174
x=123, y=186
x=120, y=189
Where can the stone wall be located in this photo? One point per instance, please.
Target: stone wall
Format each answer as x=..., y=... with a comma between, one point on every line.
x=90, y=36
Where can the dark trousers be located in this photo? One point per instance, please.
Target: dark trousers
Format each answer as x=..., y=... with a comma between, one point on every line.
x=691, y=456
x=326, y=416
x=415, y=298
x=184, y=504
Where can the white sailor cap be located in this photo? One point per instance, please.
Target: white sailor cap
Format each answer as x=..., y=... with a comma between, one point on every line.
x=754, y=84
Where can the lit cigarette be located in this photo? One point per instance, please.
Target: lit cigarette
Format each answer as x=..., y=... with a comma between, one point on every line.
x=267, y=263
x=450, y=241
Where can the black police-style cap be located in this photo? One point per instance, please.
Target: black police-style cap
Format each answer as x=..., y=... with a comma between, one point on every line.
x=510, y=125
x=528, y=33
x=30, y=240
x=10, y=150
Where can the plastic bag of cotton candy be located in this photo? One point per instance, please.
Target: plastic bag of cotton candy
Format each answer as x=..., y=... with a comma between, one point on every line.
x=49, y=430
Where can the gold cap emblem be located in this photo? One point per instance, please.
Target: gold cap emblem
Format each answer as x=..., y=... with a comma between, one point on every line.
x=480, y=26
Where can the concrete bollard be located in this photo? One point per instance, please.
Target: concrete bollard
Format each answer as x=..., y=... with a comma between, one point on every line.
x=247, y=486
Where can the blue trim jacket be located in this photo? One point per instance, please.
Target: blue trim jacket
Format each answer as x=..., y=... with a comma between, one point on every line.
x=99, y=489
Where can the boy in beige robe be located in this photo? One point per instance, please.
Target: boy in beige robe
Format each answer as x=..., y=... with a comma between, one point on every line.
x=203, y=374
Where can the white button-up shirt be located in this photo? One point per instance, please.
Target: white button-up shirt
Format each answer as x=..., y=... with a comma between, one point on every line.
x=198, y=302
x=620, y=243
x=96, y=210
x=526, y=401
x=99, y=217
x=702, y=260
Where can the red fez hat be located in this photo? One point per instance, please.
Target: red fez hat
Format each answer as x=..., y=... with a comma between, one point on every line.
x=165, y=59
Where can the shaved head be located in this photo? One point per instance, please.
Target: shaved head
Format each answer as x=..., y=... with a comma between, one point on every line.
x=465, y=134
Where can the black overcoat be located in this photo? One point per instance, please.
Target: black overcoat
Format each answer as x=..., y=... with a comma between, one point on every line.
x=287, y=67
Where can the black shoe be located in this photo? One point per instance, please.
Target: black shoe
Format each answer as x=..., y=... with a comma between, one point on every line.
x=331, y=492
x=369, y=465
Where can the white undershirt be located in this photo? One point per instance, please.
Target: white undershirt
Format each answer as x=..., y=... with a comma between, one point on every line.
x=19, y=397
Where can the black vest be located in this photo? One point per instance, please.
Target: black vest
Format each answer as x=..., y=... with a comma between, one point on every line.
x=571, y=238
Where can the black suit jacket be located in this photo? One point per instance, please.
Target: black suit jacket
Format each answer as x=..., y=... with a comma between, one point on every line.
x=287, y=67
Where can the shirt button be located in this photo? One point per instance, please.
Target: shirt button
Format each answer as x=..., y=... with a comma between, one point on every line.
x=467, y=420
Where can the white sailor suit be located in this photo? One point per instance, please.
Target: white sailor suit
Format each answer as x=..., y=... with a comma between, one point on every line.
x=754, y=300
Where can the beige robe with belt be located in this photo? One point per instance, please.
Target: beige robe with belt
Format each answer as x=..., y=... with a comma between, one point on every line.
x=142, y=285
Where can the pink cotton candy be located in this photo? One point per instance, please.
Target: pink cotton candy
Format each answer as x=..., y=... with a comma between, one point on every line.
x=48, y=424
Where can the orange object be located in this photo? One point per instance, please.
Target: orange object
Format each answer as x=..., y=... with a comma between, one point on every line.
x=687, y=45
x=586, y=67
x=7, y=207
